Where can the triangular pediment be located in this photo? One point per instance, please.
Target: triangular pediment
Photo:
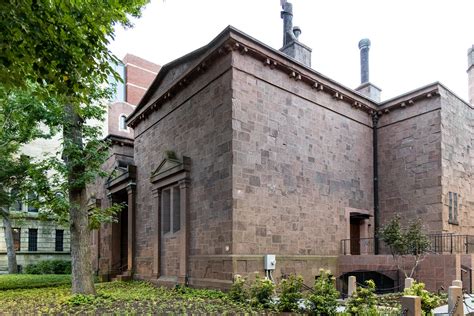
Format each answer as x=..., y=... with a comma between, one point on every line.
x=170, y=166
x=167, y=165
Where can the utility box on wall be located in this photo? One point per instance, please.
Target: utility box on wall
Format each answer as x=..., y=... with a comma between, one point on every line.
x=269, y=262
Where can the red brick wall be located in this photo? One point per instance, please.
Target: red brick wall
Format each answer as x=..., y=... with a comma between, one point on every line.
x=139, y=75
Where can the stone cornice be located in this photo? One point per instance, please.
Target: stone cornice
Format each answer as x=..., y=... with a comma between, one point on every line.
x=120, y=140
x=233, y=44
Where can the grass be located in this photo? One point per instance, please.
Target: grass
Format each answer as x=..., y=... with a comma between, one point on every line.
x=118, y=298
x=28, y=281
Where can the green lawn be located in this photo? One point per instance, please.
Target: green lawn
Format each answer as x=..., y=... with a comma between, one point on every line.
x=112, y=298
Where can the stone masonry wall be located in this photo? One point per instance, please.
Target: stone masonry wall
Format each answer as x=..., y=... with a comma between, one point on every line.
x=301, y=160
x=436, y=271
x=101, y=258
x=458, y=161
x=409, y=151
x=114, y=112
x=195, y=123
x=45, y=244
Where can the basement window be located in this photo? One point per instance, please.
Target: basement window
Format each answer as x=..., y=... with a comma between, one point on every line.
x=453, y=208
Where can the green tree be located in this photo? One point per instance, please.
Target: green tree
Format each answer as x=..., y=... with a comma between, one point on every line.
x=405, y=242
x=23, y=117
x=62, y=46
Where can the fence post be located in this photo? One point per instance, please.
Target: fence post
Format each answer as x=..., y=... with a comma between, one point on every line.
x=457, y=283
x=408, y=282
x=411, y=305
x=455, y=301
x=351, y=288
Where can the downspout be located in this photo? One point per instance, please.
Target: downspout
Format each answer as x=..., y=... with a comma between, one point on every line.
x=375, y=120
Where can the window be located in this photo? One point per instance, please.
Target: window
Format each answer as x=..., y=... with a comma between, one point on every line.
x=33, y=239
x=17, y=205
x=31, y=198
x=16, y=238
x=453, y=208
x=118, y=85
x=122, y=123
x=59, y=246
x=171, y=209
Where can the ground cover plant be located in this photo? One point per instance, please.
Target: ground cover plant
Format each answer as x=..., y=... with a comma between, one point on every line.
x=119, y=298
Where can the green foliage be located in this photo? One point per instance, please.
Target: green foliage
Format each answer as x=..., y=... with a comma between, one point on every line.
x=261, y=292
x=405, y=241
x=363, y=301
x=120, y=298
x=290, y=293
x=238, y=292
x=324, y=296
x=428, y=300
x=49, y=267
x=25, y=281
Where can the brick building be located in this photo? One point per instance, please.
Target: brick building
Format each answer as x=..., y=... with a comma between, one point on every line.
x=241, y=150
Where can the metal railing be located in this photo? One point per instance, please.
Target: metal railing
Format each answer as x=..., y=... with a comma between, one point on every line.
x=447, y=243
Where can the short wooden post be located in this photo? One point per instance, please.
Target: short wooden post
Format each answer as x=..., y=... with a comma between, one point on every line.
x=351, y=288
x=411, y=305
x=455, y=301
x=408, y=282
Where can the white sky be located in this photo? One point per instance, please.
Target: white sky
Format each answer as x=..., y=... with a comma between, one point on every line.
x=414, y=42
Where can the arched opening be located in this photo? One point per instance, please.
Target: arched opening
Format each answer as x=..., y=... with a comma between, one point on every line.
x=383, y=283
x=122, y=123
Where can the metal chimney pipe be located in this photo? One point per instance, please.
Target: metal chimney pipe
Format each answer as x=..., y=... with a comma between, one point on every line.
x=364, y=46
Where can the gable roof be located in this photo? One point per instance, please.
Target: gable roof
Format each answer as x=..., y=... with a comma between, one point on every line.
x=176, y=72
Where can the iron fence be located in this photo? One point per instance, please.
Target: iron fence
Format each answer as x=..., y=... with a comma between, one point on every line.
x=447, y=243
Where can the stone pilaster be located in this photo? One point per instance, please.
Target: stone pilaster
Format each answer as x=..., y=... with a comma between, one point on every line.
x=155, y=193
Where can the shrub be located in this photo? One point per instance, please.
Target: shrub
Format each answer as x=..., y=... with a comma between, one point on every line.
x=428, y=300
x=25, y=281
x=290, y=293
x=324, y=296
x=261, y=293
x=363, y=301
x=237, y=292
x=49, y=267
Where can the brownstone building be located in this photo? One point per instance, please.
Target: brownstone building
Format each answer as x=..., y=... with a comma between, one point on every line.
x=240, y=150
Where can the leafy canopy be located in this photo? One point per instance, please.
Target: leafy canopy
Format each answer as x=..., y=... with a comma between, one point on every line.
x=405, y=241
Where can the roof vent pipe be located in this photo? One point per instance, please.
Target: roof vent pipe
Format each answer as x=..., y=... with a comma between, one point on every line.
x=364, y=46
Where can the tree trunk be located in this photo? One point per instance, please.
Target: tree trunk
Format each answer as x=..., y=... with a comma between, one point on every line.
x=11, y=254
x=82, y=278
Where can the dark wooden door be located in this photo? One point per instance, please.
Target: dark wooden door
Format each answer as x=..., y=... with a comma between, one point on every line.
x=355, y=237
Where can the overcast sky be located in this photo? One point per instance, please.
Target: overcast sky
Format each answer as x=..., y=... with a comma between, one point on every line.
x=414, y=42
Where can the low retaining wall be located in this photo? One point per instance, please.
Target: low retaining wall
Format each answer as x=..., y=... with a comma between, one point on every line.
x=436, y=271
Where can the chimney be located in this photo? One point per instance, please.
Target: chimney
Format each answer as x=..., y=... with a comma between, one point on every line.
x=366, y=88
x=470, y=73
x=291, y=46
